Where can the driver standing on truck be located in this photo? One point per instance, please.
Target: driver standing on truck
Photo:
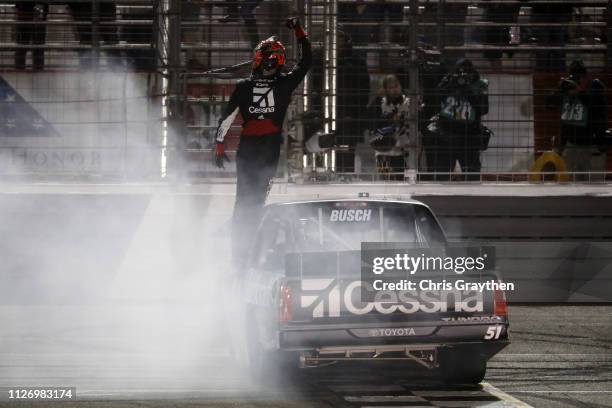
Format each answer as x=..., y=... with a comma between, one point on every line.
x=262, y=100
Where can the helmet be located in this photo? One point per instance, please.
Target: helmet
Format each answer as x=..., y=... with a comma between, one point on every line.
x=269, y=54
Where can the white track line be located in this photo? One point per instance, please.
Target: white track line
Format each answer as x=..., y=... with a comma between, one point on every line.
x=503, y=396
x=560, y=392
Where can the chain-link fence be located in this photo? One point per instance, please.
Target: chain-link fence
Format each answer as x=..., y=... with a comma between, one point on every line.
x=399, y=90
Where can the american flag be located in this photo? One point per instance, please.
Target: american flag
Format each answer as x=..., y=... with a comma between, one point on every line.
x=18, y=117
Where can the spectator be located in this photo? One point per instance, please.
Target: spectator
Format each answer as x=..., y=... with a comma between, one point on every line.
x=442, y=36
x=396, y=149
x=372, y=14
x=431, y=72
x=499, y=35
x=244, y=9
x=550, y=60
x=191, y=34
x=141, y=59
x=456, y=133
x=352, y=95
x=358, y=12
x=31, y=34
x=313, y=118
x=83, y=12
x=584, y=120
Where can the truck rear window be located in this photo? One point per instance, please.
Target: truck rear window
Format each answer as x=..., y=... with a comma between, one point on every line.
x=343, y=226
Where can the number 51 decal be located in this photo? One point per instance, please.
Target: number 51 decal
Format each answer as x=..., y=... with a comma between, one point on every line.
x=493, y=332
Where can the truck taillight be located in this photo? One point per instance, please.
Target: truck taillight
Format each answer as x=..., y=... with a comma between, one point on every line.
x=500, y=306
x=285, y=303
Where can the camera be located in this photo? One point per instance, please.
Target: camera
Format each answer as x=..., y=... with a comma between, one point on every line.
x=567, y=84
x=461, y=79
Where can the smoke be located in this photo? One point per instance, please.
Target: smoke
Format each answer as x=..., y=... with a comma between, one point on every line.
x=118, y=292
x=103, y=124
x=115, y=289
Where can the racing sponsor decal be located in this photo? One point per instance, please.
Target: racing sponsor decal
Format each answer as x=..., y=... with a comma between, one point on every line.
x=321, y=298
x=400, y=332
x=471, y=319
x=359, y=215
x=493, y=332
x=393, y=332
x=263, y=97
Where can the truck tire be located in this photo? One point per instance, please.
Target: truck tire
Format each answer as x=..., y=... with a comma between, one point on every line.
x=268, y=367
x=460, y=368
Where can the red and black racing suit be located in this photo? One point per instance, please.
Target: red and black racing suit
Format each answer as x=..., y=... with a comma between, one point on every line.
x=262, y=102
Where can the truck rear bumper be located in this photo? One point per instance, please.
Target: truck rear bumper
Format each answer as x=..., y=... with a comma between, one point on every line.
x=307, y=338
x=425, y=354
x=317, y=347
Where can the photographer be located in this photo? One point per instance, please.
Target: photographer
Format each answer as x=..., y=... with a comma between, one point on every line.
x=456, y=132
x=583, y=122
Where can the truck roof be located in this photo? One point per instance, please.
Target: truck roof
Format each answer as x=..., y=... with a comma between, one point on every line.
x=356, y=199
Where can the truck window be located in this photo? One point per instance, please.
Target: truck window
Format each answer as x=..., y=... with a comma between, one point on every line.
x=344, y=226
x=429, y=226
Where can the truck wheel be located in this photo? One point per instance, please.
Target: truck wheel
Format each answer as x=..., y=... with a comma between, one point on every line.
x=267, y=366
x=258, y=357
x=458, y=368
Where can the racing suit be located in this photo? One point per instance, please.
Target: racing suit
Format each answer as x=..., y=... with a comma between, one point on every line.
x=262, y=103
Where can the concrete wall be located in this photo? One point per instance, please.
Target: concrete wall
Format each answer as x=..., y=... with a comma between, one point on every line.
x=72, y=245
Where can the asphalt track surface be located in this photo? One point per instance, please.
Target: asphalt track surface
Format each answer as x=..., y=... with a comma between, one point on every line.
x=560, y=356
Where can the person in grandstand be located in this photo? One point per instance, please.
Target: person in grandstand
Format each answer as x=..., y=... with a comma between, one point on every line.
x=456, y=133
x=584, y=118
x=550, y=32
x=244, y=9
x=396, y=149
x=262, y=100
x=83, y=11
x=446, y=15
x=352, y=97
x=499, y=35
x=32, y=32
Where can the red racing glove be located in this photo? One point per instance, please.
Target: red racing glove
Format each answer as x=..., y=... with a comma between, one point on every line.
x=220, y=155
x=293, y=23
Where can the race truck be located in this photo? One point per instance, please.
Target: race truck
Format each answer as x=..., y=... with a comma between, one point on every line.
x=306, y=305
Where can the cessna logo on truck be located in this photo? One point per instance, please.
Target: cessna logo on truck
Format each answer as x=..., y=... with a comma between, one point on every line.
x=350, y=215
x=330, y=297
